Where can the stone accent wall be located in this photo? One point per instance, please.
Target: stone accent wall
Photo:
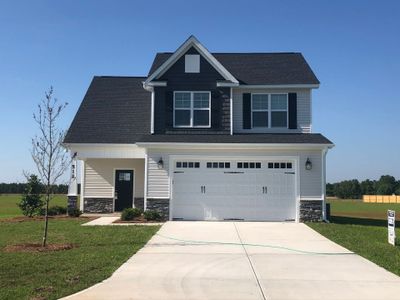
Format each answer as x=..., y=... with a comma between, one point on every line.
x=72, y=202
x=159, y=205
x=98, y=205
x=311, y=210
x=139, y=203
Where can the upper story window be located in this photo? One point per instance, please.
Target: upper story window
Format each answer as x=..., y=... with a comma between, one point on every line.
x=269, y=110
x=192, y=109
x=192, y=63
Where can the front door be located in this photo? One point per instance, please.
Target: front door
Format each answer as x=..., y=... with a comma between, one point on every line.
x=123, y=189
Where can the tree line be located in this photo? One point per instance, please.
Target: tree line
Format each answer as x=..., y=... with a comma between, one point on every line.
x=19, y=188
x=354, y=189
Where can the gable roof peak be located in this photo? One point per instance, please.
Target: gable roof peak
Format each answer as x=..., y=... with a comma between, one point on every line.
x=192, y=41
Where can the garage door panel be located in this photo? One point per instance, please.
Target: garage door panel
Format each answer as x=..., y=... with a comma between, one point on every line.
x=232, y=193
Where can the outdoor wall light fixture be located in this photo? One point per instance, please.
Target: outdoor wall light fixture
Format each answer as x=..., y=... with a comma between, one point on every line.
x=308, y=164
x=160, y=163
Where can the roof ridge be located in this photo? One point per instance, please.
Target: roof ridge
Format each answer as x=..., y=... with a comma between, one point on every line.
x=117, y=76
x=239, y=53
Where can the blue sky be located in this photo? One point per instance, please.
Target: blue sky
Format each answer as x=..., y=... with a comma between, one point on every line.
x=353, y=47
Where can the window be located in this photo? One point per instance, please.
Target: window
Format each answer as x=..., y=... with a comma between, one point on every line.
x=280, y=165
x=218, y=165
x=124, y=176
x=269, y=110
x=192, y=109
x=249, y=165
x=187, y=164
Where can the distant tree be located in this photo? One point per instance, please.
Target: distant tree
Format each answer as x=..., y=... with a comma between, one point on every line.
x=348, y=189
x=368, y=187
x=386, y=185
x=330, y=192
x=31, y=201
x=50, y=157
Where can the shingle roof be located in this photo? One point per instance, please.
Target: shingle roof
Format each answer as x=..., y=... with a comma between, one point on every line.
x=114, y=110
x=268, y=138
x=259, y=68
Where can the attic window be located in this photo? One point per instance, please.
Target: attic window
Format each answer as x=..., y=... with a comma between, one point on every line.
x=192, y=63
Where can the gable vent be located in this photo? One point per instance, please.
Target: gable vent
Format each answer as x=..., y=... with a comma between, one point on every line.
x=192, y=63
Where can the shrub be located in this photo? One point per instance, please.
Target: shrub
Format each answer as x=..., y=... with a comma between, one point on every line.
x=31, y=201
x=152, y=215
x=129, y=214
x=57, y=210
x=74, y=212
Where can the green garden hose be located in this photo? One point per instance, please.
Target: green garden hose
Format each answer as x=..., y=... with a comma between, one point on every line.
x=253, y=245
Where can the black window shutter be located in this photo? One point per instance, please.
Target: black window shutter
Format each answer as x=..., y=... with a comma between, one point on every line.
x=246, y=111
x=169, y=107
x=292, y=111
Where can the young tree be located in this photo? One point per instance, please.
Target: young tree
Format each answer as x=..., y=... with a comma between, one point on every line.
x=31, y=201
x=47, y=151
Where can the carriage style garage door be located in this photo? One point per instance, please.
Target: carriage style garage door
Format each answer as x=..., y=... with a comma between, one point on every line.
x=226, y=189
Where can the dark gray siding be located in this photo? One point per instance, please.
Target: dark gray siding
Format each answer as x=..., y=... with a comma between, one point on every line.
x=178, y=80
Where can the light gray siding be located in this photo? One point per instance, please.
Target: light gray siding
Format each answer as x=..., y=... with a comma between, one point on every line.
x=310, y=181
x=303, y=110
x=99, y=176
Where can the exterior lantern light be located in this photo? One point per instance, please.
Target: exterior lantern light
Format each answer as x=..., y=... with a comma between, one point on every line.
x=160, y=163
x=308, y=164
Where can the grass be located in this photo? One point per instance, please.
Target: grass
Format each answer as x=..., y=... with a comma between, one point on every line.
x=359, y=209
x=9, y=208
x=362, y=228
x=98, y=253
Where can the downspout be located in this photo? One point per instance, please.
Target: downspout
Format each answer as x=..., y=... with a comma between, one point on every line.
x=152, y=112
x=231, y=110
x=324, y=152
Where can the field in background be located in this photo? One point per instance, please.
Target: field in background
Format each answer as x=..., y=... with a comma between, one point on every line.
x=9, y=208
x=360, y=209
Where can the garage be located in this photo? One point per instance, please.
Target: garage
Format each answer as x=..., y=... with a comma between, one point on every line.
x=234, y=189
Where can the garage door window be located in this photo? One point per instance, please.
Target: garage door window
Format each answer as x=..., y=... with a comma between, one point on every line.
x=218, y=165
x=249, y=165
x=187, y=164
x=280, y=165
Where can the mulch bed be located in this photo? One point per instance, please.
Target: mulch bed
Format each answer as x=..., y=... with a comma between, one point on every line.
x=140, y=219
x=41, y=218
x=30, y=247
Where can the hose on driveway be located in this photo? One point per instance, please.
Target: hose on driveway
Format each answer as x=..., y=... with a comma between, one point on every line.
x=253, y=245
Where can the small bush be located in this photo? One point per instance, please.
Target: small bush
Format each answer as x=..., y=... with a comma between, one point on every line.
x=74, y=212
x=128, y=214
x=57, y=210
x=31, y=201
x=152, y=215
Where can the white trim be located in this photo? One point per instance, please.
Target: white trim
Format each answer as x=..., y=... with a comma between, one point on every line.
x=81, y=204
x=279, y=86
x=152, y=113
x=231, y=109
x=323, y=182
x=133, y=184
x=192, y=109
x=146, y=160
x=164, y=145
x=191, y=42
x=295, y=159
x=157, y=83
x=226, y=84
x=311, y=110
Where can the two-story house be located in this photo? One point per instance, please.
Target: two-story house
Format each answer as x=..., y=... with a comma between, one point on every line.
x=205, y=136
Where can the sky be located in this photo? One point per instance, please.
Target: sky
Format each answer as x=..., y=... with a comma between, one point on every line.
x=352, y=46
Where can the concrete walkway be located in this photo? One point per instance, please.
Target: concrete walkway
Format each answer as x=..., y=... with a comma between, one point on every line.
x=235, y=266
x=109, y=220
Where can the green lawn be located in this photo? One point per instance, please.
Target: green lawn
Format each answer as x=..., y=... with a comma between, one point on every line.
x=99, y=252
x=9, y=208
x=357, y=208
x=362, y=228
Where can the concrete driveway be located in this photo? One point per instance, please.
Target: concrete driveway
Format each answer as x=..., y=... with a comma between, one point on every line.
x=170, y=267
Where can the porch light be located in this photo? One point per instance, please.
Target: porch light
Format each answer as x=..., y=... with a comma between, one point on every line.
x=160, y=163
x=308, y=164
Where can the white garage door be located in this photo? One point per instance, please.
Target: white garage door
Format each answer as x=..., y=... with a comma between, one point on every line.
x=234, y=189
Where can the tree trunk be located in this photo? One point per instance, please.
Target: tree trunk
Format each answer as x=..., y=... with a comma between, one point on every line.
x=46, y=221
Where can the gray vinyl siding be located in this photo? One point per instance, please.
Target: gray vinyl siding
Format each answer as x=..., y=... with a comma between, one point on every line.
x=303, y=110
x=99, y=176
x=310, y=181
